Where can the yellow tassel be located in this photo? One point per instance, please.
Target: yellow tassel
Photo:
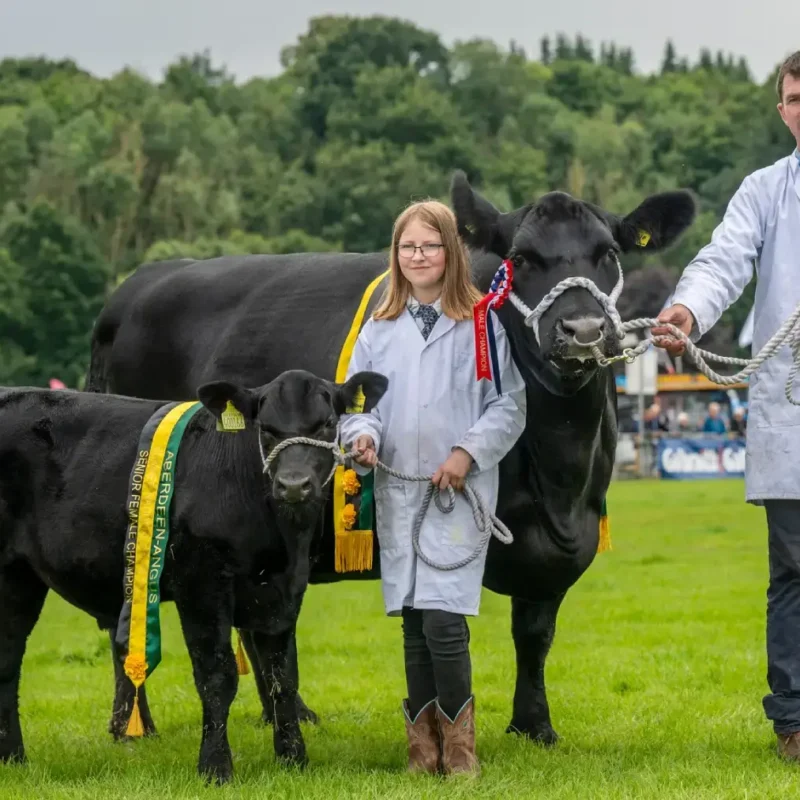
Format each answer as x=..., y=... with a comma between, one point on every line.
x=135, y=724
x=605, y=535
x=353, y=551
x=241, y=658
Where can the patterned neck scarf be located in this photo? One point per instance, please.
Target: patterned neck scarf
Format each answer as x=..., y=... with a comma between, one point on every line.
x=426, y=314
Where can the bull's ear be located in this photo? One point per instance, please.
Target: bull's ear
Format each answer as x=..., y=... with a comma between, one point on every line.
x=656, y=223
x=360, y=394
x=480, y=224
x=215, y=397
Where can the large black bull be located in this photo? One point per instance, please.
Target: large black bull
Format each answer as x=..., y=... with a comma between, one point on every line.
x=176, y=325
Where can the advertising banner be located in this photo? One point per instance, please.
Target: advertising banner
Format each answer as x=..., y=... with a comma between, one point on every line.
x=701, y=458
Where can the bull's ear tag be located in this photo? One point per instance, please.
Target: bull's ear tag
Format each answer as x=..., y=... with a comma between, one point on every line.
x=358, y=403
x=642, y=238
x=232, y=420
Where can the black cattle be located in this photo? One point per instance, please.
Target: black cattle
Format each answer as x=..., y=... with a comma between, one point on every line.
x=240, y=539
x=171, y=326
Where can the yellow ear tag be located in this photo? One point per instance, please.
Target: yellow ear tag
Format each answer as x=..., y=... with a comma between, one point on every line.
x=232, y=420
x=643, y=238
x=358, y=403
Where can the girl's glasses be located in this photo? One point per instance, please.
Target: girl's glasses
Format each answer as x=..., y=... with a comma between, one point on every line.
x=428, y=250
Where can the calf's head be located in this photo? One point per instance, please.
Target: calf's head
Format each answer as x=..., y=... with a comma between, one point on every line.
x=559, y=237
x=296, y=404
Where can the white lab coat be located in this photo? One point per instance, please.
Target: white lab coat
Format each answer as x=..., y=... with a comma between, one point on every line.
x=762, y=222
x=433, y=403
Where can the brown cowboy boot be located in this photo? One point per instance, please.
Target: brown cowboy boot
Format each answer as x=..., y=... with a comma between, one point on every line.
x=424, y=742
x=458, y=740
x=789, y=746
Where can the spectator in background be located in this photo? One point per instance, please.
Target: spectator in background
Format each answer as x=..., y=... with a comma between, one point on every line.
x=683, y=422
x=714, y=422
x=739, y=421
x=655, y=419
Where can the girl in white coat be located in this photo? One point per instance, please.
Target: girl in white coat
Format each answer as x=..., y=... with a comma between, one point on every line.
x=436, y=418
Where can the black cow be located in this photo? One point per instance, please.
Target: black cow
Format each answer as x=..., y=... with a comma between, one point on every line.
x=174, y=325
x=239, y=544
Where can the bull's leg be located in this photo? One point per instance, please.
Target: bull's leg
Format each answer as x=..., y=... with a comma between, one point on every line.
x=205, y=607
x=22, y=596
x=288, y=738
x=252, y=644
x=533, y=626
x=124, y=693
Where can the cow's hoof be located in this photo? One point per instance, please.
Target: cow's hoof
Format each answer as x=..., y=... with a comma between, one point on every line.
x=291, y=751
x=13, y=755
x=537, y=732
x=217, y=771
x=304, y=713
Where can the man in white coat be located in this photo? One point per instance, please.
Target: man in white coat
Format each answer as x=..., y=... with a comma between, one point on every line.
x=762, y=222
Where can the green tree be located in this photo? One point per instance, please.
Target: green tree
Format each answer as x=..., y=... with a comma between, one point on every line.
x=15, y=156
x=328, y=58
x=194, y=78
x=64, y=282
x=670, y=60
x=545, y=54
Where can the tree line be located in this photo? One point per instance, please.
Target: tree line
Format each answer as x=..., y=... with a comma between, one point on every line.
x=100, y=175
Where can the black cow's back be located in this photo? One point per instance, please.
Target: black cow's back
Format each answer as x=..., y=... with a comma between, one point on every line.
x=172, y=327
x=65, y=462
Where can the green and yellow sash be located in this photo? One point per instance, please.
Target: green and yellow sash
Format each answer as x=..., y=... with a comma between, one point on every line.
x=149, y=498
x=604, y=542
x=353, y=495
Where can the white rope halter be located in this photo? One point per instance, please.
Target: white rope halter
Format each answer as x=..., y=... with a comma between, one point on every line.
x=788, y=333
x=487, y=523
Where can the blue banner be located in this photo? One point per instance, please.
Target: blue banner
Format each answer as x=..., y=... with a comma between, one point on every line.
x=701, y=458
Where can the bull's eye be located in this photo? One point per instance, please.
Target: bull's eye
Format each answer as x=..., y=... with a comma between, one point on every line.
x=268, y=436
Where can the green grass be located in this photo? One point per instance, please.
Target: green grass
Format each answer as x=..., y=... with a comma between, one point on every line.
x=655, y=683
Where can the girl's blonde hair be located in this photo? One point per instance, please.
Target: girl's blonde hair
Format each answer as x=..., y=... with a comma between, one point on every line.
x=459, y=293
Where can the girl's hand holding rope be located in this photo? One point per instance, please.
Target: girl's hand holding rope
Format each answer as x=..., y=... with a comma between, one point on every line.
x=454, y=471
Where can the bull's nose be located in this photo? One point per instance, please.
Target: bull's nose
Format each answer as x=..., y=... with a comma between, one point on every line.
x=585, y=330
x=292, y=490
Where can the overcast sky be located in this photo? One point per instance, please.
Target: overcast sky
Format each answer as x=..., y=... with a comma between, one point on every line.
x=246, y=35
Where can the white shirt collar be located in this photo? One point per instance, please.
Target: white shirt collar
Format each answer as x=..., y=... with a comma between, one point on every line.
x=413, y=304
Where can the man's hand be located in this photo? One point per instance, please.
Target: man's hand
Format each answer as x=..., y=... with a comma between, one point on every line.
x=453, y=471
x=365, y=454
x=681, y=318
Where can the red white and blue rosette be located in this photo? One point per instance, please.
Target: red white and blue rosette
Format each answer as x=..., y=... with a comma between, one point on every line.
x=485, y=344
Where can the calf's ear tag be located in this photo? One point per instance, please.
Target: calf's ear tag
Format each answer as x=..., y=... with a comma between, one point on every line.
x=642, y=238
x=358, y=403
x=231, y=419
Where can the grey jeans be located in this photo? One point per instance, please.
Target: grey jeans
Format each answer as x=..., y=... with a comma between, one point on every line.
x=782, y=705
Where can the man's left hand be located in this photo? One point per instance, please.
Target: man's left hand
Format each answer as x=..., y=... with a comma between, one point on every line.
x=453, y=471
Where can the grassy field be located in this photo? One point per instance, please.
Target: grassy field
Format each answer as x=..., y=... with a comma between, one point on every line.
x=655, y=682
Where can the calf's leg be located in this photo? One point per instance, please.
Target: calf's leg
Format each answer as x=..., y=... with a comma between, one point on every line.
x=533, y=626
x=287, y=737
x=124, y=692
x=205, y=607
x=252, y=644
x=22, y=596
